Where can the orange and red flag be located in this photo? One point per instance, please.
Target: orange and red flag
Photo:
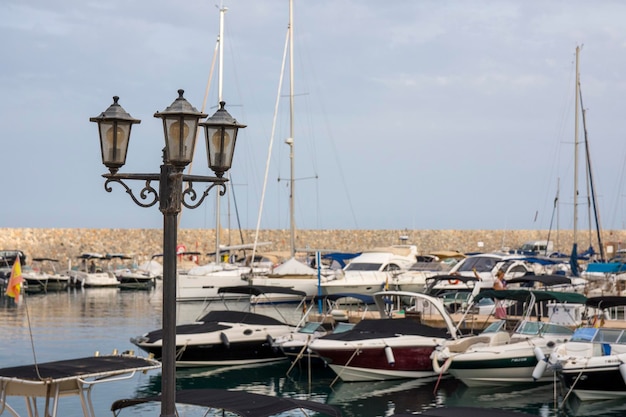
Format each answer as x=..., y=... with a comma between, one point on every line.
x=15, y=282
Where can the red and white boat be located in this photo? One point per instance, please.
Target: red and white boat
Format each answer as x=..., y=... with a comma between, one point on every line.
x=389, y=347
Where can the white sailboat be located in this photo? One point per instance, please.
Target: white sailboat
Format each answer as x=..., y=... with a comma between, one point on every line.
x=203, y=281
x=293, y=273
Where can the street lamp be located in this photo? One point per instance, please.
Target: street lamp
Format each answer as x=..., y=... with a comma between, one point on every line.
x=180, y=125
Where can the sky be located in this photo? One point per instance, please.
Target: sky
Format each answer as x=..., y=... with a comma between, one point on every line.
x=407, y=114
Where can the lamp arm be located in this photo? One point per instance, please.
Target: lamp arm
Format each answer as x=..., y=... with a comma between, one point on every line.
x=148, y=196
x=190, y=193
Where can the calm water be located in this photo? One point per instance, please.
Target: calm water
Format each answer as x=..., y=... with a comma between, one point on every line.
x=78, y=323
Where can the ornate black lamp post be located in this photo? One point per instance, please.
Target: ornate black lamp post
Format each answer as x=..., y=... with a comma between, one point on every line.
x=180, y=124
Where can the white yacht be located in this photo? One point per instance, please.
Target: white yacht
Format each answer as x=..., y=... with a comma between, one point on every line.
x=373, y=270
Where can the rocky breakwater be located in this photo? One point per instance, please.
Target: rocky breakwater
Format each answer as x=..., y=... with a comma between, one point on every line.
x=66, y=244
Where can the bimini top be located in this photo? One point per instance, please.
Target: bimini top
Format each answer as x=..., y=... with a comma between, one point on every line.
x=259, y=290
x=606, y=301
x=366, y=299
x=238, y=402
x=547, y=280
x=540, y=295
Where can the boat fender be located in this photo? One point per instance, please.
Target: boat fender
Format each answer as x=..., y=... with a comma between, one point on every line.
x=391, y=360
x=542, y=364
x=453, y=281
x=225, y=340
x=270, y=340
x=622, y=370
x=443, y=368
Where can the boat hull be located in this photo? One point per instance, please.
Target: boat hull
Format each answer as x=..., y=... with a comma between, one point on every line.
x=358, y=362
x=479, y=370
x=600, y=381
x=220, y=342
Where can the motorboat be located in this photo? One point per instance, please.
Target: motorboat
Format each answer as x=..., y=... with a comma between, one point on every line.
x=93, y=271
x=483, y=266
x=51, y=381
x=396, y=345
x=57, y=281
x=34, y=280
x=592, y=364
x=435, y=263
x=373, y=270
x=503, y=353
x=325, y=314
x=202, y=282
x=240, y=403
x=144, y=276
x=226, y=337
x=294, y=274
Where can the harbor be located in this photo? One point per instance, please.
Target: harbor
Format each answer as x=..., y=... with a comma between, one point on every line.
x=83, y=322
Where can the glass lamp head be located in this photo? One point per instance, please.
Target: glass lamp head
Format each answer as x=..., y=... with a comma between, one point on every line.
x=114, y=126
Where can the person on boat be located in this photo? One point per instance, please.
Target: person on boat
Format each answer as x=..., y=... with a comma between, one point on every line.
x=92, y=267
x=499, y=283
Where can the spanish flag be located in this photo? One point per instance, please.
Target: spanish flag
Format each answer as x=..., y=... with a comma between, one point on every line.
x=15, y=282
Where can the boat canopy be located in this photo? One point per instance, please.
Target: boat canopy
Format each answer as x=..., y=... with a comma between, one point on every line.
x=259, y=290
x=547, y=280
x=366, y=299
x=523, y=295
x=606, y=301
x=237, y=402
x=606, y=267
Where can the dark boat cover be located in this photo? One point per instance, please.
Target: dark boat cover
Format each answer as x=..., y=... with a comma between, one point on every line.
x=524, y=295
x=233, y=316
x=238, y=402
x=259, y=290
x=387, y=328
x=212, y=322
x=89, y=367
x=547, y=280
x=606, y=301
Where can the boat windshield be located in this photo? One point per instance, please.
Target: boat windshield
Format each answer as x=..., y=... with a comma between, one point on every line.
x=533, y=328
x=343, y=327
x=496, y=326
x=599, y=335
x=312, y=327
x=363, y=266
x=479, y=263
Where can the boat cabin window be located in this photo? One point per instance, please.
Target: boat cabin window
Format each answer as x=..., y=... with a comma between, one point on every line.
x=363, y=266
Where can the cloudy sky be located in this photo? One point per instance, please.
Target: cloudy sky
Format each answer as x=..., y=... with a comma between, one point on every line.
x=409, y=114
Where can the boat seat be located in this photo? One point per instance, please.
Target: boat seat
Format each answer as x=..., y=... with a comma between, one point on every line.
x=463, y=344
x=500, y=338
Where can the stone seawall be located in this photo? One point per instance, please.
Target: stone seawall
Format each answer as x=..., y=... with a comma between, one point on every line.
x=67, y=244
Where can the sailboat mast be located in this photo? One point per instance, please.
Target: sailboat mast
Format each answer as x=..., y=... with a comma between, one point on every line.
x=292, y=221
x=576, y=147
x=220, y=72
